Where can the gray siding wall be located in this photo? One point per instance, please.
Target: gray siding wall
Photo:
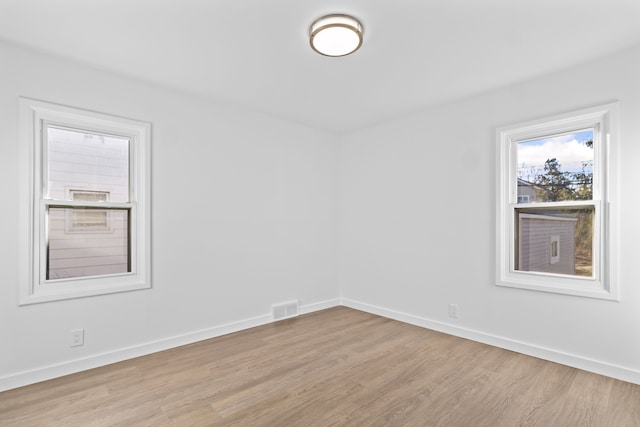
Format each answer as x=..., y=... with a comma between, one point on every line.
x=536, y=234
x=527, y=190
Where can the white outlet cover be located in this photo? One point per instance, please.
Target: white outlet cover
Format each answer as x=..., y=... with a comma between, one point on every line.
x=77, y=337
x=453, y=310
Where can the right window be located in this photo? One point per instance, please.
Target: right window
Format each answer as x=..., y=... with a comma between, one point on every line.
x=555, y=192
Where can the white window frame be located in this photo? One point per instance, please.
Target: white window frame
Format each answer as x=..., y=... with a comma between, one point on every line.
x=603, y=284
x=34, y=288
x=554, y=259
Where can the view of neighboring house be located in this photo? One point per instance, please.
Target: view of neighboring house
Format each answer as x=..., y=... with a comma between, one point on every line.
x=546, y=242
x=92, y=168
x=527, y=191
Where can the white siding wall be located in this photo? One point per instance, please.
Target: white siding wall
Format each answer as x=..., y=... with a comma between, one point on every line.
x=75, y=253
x=78, y=161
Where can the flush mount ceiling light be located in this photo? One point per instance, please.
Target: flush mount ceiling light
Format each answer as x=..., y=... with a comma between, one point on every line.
x=335, y=35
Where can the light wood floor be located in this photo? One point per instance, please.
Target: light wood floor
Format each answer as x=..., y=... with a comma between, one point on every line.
x=330, y=368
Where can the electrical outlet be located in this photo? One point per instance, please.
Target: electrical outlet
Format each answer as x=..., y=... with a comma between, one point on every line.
x=77, y=337
x=454, y=310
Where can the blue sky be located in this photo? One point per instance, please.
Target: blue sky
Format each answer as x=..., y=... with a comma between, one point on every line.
x=569, y=149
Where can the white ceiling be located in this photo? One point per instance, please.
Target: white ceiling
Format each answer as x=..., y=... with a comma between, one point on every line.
x=255, y=53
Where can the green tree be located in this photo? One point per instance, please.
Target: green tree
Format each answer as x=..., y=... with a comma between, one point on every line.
x=582, y=184
x=554, y=185
x=583, y=180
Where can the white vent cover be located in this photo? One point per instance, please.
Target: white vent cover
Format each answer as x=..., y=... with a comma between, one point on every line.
x=284, y=310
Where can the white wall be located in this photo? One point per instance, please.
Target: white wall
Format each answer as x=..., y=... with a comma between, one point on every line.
x=249, y=210
x=244, y=214
x=418, y=214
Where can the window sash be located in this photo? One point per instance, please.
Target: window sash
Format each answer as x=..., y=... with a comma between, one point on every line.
x=46, y=204
x=599, y=159
x=597, y=248
x=93, y=130
x=117, y=250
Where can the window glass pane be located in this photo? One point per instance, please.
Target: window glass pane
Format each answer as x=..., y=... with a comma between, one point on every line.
x=555, y=240
x=556, y=168
x=78, y=160
x=87, y=242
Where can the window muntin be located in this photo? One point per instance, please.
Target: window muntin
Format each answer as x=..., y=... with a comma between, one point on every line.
x=557, y=171
x=89, y=220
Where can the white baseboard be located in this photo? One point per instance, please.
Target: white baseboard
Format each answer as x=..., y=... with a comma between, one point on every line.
x=317, y=306
x=53, y=371
x=579, y=362
x=77, y=365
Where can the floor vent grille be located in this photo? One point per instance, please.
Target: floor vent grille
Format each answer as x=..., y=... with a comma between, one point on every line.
x=284, y=310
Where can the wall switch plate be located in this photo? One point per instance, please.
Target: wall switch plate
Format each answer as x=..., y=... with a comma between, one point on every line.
x=454, y=310
x=77, y=337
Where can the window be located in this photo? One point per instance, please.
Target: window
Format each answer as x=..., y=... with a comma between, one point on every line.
x=555, y=204
x=554, y=256
x=87, y=186
x=88, y=220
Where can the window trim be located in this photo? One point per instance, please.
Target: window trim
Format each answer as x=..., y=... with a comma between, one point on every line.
x=603, y=284
x=34, y=115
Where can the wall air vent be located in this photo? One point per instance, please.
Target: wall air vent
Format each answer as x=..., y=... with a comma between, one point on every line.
x=284, y=310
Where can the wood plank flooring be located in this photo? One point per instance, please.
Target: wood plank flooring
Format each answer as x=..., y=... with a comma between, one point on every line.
x=337, y=367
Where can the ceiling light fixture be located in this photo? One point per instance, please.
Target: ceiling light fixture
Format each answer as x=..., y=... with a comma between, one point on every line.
x=335, y=35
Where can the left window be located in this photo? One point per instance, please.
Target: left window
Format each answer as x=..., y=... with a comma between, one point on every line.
x=86, y=203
